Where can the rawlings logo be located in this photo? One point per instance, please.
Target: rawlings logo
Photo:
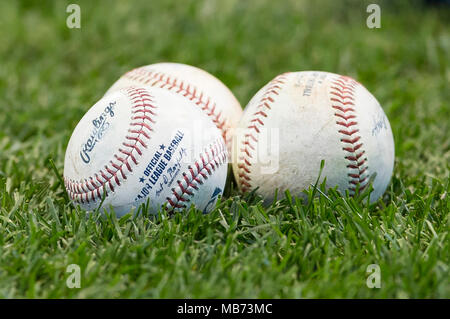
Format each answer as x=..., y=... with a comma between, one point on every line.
x=101, y=125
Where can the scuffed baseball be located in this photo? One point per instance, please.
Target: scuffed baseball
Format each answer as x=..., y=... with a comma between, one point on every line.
x=301, y=118
x=139, y=145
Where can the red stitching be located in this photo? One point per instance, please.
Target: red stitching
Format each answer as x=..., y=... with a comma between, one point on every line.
x=348, y=133
x=351, y=141
x=342, y=109
x=81, y=191
x=143, y=117
x=210, y=160
x=169, y=82
x=272, y=89
x=346, y=124
x=342, y=96
x=140, y=132
x=342, y=91
x=142, y=125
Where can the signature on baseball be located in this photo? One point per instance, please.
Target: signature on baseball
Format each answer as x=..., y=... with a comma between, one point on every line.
x=100, y=126
x=379, y=123
x=172, y=172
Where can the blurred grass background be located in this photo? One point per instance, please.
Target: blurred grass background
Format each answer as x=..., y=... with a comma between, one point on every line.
x=50, y=75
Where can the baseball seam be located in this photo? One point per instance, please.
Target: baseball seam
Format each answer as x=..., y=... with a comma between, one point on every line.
x=143, y=117
x=210, y=159
x=163, y=80
x=342, y=101
x=272, y=89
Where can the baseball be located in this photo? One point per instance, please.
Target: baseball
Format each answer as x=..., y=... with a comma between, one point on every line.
x=301, y=118
x=194, y=84
x=145, y=145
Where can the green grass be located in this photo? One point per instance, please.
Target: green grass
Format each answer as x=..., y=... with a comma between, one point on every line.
x=50, y=76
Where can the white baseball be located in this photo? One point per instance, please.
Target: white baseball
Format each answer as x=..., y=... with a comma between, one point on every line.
x=145, y=144
x=301, y=118
x=202, y=88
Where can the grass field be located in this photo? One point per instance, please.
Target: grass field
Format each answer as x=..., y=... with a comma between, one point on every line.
x=50, y=75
